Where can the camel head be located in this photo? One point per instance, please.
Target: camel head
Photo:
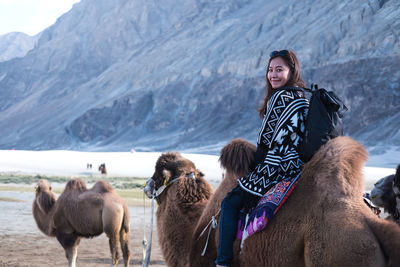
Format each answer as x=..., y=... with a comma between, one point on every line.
x=44, y=197
x=169, y=168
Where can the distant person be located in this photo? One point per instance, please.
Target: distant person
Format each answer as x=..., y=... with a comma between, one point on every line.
x=277, y=157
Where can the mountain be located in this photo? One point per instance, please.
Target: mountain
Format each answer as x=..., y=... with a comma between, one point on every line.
x=15, y=44
x=189, y=74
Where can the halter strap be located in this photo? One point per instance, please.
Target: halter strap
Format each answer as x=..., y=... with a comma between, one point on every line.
x=163, y=187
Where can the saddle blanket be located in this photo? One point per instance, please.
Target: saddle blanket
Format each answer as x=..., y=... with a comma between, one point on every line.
x=266, y=208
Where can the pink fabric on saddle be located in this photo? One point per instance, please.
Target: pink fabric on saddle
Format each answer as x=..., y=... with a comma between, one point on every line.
x=266, y=208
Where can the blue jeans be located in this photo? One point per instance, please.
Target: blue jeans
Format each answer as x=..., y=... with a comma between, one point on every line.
x=228, y=224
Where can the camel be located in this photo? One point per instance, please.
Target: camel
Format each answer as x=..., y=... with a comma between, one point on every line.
x=182, y=194
x=239, y=155
x=183, y=200
x=323, y=223
x=81, y=212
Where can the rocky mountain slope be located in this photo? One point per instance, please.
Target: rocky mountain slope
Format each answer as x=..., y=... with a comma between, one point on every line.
x=15, y=44
x=189, y=74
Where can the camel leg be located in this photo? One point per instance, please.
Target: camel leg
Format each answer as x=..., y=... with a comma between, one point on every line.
x=70, y=244
x=72, y=254
x=113, y=241
x=112, y=220
x=124, y=241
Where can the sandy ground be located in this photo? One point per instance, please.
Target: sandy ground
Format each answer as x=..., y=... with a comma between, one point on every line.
x=22, y=244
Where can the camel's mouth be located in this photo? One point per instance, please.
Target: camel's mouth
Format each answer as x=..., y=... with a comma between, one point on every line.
x=149, y=188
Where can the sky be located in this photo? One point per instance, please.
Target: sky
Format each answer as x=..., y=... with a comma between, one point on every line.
x=31, y=16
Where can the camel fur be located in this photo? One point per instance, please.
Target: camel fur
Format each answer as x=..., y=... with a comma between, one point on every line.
x=179, y=206
x=323, y=223
x=239, y=156
x=81, y=212
x=182, y=203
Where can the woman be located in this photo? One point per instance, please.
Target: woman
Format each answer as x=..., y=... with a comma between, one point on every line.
x=277, y=157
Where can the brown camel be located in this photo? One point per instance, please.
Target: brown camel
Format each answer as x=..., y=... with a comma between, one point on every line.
x=80, y=212
x=239, y=156
x=183, y=200
x=323, y=223
x=185, y=193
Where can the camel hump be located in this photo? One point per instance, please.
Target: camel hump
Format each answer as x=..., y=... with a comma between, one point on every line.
x=342, y=148
x=238, y=156
x=76, y=184
x=102, y=187
x=341, y=157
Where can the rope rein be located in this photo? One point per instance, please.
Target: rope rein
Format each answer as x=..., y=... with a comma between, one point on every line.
x=213, y=223
x=147, y=252
x=144, y=241
x=244, y=232
x=147, y=244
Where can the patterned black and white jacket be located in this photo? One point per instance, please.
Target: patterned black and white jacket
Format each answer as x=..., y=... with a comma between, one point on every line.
x=281, y=132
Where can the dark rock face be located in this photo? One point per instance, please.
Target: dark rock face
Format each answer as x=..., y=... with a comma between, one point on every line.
x=189, y=75
x=99, y=124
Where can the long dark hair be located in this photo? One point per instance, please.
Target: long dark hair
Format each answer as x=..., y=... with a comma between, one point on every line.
x=289, y=57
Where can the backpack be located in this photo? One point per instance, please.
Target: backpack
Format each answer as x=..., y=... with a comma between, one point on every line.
x=324, y=119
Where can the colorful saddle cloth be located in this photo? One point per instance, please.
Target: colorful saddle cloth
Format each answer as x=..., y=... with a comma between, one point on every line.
x=268, y=205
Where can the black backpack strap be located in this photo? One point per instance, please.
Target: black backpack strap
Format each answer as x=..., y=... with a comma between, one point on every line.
x=301, y=89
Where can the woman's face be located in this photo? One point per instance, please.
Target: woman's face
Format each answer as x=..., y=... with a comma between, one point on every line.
x=278, y=72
